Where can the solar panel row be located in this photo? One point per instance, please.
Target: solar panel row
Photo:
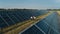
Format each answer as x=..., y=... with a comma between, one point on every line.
x=32, y=30
x=11, y=17
x=48, y=26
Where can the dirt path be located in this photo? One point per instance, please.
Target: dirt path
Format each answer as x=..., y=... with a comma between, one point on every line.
x=58, y=20
x=25, y=25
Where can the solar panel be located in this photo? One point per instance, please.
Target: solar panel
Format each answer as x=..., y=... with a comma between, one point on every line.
x=49, y=22
x=32, y=30
x=52, y=32
x=2, y=23
x=13, y=17
x=43, y=26
x=52, y=20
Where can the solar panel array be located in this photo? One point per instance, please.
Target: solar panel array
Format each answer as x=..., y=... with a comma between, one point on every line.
x=46, y=26
x=11, y=17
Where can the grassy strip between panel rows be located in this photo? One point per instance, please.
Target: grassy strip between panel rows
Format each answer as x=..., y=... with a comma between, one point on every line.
x=21, y=26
